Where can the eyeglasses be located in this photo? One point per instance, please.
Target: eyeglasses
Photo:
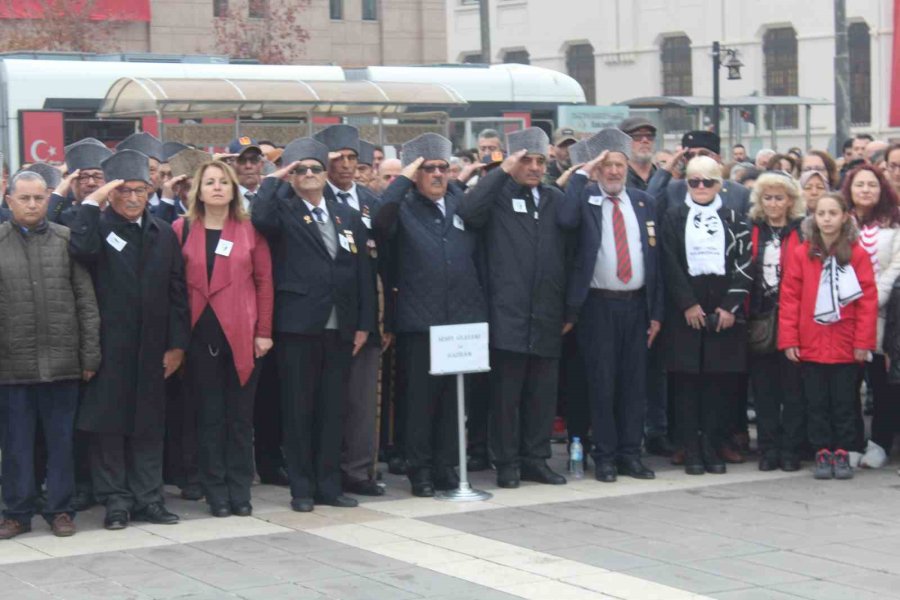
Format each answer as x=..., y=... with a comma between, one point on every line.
x=304, y=169
x=433, y=168
x=139, y=192
x=643, y=137
x=85, y=177
x=253, y=159
x=707, y=183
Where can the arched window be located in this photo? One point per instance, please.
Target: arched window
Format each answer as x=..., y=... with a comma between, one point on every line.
x=677, y=79
x=520, y=57
x=780, y=51
x=860, y=74
x=580, y=65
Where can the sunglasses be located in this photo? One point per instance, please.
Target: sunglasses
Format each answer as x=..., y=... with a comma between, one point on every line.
x=643, y=137
x=707, y=183
x=433, y=168
x=303, y=170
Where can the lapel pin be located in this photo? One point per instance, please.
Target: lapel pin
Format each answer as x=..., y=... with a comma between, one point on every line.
x=307, y=219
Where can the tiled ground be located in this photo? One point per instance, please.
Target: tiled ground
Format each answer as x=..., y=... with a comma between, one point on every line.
x=742, y=536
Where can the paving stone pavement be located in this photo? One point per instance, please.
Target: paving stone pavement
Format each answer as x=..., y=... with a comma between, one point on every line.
x=742, y=536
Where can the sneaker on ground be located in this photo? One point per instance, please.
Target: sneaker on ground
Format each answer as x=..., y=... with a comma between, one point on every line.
x=824, y=464
x=842, y=468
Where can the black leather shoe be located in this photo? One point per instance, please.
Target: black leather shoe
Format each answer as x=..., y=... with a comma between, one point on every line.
x=192, y=491
x=82, y=500
x=116, y=519
x=768, y=462
x=445, y=478
x=659, y=446
x=338, y=501
x=790, y=464
x=302, y=504
x=508, y=477
x=478, y=463
x=277, y=477
x=219, y=510
x=397, y=465
x=157, y=514
x=420, y=480
x=633, y=467
x=693, y=463
x=364, y=488
x=423, y=490
x=541, y=473
x=605, y=471
x=242, y=510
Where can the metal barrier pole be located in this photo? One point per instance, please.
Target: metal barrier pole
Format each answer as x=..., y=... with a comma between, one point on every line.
x=465, y=492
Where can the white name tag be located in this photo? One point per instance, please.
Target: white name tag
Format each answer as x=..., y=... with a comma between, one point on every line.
x=367, y=221
x=345, y=243
x=595, y=200
x=224, y=248
x=519, y=205
x=458, y=223
x=115, y=241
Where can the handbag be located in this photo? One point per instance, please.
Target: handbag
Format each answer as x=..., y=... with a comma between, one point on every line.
x=762, y=334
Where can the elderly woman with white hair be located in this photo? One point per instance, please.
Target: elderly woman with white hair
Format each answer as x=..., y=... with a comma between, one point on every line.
x=776, y=211
x=706, y=262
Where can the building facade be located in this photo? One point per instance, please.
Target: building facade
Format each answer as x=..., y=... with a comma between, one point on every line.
x=620, y=50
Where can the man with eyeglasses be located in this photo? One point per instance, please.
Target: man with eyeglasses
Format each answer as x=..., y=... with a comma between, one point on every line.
x=526, y=272
x=360, y=423
x=149, y=145
x=246, y=158
x=643, y=140
x=84, y=177
x=138, y=271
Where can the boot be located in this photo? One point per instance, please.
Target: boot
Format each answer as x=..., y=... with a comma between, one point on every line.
x=711, y=459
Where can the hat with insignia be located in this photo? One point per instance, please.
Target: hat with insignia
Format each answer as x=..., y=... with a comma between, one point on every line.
x=170, y=149
x=51, y=174
x=305, y=148
x=610, y=139
x=429, y=146
x=241, y=144
x=366, y=153
x=127, y=165
x=339, y=137
x=494, y=158
x=533, y=140
x=701, y=139
x=143, y=142
x=188, y=161
x=563, y=135
x=86, y=154
x=580, y=153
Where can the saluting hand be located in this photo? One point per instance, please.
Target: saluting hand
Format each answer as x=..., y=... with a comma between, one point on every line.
x=467, y=171
x=168, y=189
x=409, y=171
x=62, y=188
x=591, y=165
x=675, y=162
x=510, y=164
x=284, y=172
x=102, y=193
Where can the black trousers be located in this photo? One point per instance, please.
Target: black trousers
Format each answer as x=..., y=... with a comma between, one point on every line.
x=127, y=471
x=267, y=425
x=314, y=371
x=181, y=459
x=224, y=423
x=886, y=409
x=392, y=417
x=430, y=430
x=780, y=409
x=831, y=392
x=573, y=398
x=656, y=422
x=54, y=406
x=478, y=401
x=523, y=406
x=698, y=399
x=613, y=338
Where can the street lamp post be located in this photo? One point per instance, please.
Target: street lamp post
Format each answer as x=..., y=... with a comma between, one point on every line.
x=733, y=64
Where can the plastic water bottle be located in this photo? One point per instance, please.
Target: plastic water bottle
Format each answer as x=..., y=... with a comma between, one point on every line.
x=576, y=458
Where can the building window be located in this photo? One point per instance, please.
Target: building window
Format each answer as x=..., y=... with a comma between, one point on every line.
x=369, y=10
x=220, y=8
x=519, y=57
x=336, y=9
x=257, y=9
x=580, y=65
x=677, y=80
x=860, y=74
x=780, y=51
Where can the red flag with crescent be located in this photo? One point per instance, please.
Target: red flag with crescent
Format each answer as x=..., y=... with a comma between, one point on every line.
x=41, y=135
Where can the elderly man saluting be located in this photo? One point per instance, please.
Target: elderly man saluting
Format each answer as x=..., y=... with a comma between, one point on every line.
x=49, y=340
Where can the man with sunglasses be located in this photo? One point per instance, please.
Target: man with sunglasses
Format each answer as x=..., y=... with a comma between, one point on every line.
x=246, y=158
x=347, y=154
x=643, y=140
x=84, y=177
x=324, y=311
x=138, y=273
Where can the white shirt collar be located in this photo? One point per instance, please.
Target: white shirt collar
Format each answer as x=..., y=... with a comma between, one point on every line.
x=442, y=206
x=323, y=205
x=337, y=190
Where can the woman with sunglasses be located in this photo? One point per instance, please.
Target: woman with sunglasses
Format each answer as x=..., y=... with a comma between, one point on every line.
x=706, y=262
x=228, y=268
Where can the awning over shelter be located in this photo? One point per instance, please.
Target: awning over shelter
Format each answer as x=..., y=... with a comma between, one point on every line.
x=706, y=101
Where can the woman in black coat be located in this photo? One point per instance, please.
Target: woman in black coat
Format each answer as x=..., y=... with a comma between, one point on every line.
x=706, y=259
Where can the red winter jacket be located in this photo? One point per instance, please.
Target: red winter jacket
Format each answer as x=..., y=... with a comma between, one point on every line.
x=834, y=343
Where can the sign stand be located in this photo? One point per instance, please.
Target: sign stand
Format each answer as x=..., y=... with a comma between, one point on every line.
x=460, y=349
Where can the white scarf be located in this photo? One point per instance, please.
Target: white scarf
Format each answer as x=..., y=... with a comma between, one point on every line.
x=838, y=286
x=704, y=238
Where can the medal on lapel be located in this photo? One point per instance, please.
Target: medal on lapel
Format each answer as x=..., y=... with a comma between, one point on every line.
x=651, y=233
x=307, y=219
x=337, y=219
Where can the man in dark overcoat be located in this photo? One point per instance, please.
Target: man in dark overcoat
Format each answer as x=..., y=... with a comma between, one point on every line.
x=138, y=275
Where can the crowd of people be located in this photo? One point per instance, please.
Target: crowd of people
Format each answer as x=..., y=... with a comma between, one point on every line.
x=168, y=316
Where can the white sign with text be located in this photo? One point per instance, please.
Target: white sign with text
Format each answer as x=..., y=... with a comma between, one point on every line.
x=457, y=349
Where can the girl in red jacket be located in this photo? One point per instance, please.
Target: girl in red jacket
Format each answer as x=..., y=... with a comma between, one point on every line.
x=829, y=307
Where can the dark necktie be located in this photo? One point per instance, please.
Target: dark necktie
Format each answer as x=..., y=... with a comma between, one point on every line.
x=623, y=257
x=250, y=196
x=345, y=197
x=319, y=214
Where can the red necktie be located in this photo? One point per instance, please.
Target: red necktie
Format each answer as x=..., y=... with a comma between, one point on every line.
x=623, y=258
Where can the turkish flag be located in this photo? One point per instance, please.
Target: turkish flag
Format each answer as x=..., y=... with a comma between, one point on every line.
x=41, y=134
